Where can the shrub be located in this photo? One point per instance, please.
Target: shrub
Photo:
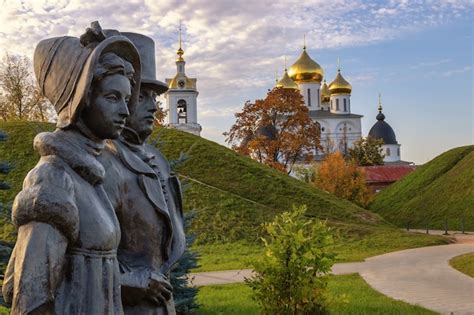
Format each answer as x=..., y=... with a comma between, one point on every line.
x=291, y=277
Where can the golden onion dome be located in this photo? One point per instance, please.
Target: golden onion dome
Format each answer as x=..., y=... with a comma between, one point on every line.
x=340, y=85
x=306, y=69
x=286, y=82
x=180, y=54
x=325, y=94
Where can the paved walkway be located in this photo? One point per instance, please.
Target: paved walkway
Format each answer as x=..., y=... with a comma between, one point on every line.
x=417, y=276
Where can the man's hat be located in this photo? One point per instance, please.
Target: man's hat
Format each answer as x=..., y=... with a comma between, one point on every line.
x=64, y=68
x=146, y=48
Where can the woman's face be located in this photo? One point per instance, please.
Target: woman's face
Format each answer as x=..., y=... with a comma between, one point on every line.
x=105, y=116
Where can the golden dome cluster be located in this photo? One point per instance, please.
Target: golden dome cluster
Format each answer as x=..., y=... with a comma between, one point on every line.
x=306, y=69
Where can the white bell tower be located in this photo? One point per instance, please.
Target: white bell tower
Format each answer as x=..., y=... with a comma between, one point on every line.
x=181, y=98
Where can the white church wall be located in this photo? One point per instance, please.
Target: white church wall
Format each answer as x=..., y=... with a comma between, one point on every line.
x=392, y=152
x=326, y=106
x=332, y=132
x=337, y=103
x=314, y=94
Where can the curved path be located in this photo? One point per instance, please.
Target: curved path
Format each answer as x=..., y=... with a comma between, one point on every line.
x=423, y=276
x=418, y=276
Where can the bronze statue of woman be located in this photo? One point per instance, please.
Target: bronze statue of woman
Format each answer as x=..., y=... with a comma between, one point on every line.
x=65, y=258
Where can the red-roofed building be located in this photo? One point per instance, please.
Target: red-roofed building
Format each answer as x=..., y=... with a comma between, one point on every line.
x=381, y=176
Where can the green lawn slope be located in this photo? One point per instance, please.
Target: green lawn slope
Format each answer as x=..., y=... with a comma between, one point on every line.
x=233, y=195
x=441, y=189
x=237, y=194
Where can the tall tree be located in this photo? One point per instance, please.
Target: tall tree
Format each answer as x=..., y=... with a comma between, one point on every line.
x=276, y=131
x=367, y=151
x=343, y=179
x=20, y=98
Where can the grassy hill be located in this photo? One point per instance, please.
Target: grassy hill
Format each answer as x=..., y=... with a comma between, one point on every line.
x=442, y=188
x=233, y=195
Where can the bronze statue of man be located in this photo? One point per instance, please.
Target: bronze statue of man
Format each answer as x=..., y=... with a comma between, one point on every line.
x=146, y=196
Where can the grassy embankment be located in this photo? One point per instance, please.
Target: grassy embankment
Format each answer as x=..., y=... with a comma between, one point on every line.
x=350, y=295
x=464, y=263
x=439, y=190
x=233, y=195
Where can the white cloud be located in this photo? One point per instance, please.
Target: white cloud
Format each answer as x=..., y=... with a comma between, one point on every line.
x=232, y=47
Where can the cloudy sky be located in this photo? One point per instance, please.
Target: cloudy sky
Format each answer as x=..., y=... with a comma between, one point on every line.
x=417, y=54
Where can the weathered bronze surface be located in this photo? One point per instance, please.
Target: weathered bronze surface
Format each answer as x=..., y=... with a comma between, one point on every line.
x=65, y=258
x=147, y=198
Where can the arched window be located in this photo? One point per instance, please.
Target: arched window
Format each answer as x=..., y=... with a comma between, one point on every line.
x=337, y=104
x=332, y=107
x=398, y=151
x=309, y=97
x=388, y=151
x=345, y=105
x=319, y=98
x=182, y=112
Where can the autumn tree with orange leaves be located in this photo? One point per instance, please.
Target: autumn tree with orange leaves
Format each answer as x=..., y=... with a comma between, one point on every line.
x=276, y=131
x=343, y=179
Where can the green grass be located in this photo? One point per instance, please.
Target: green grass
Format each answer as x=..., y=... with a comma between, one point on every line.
x=464, y=263
x=227, y=256
x=228, y=299
x=358, y=243
x=233, y=196
x=222, y=168
x=349, y=294
x=441, y=189
x=18, y=151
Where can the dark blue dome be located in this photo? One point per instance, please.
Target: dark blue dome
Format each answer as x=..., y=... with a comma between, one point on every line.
x=382, y=130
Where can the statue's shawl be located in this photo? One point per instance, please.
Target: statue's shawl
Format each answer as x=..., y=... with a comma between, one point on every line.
x=48, y=193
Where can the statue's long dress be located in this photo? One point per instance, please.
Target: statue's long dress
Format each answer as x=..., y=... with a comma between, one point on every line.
x=65, y=259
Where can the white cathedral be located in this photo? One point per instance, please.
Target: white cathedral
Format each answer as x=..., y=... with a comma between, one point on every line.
x=330, y=106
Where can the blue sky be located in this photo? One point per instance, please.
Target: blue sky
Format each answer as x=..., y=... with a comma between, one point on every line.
x=417, y=54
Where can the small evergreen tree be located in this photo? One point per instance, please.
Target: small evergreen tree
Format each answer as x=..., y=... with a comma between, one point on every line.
x=291, y=276
x=184, y=295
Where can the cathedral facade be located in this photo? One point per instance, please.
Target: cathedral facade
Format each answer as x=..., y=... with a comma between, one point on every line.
x=329, y=105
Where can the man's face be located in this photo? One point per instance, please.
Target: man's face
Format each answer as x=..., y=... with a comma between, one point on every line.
x=142, y=117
